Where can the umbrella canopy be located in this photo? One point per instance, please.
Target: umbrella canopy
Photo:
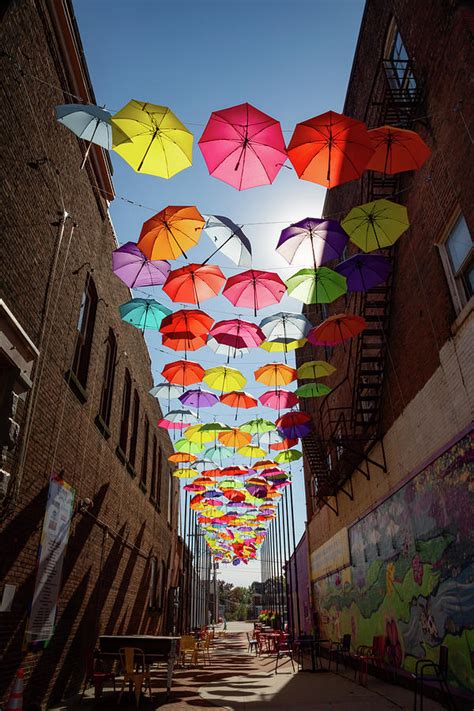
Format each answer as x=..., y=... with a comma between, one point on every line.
x=237, y=333
x=135, y=269
x=183, y=341
x=171, y=232
x=184, y=473
x=252, y=451
x=264, y=464
x=282, y=346
x=218, y=454
x=285, y=443
x=159, y=144
x=143, y=313
x=257, y=487
x=229, y=239
x=313, y=390
x=258, y=426
x=274, y=374
x=180, y=457
x=376, y=225
x=364, y=271
x=214, y=427
x=330, y=149
x=336, y=329
x=166, y=390
x=194, y=434
x=234, y=438
x=184, y=417
x=170, y=425
x=223, y=350
x=194, y=283
x=316, y=286
x=294, y=424
x=186, y=329
x=254, y=289
x=269, y=438
x=184, y=445
x=279, y=399
x=285, y=327
x=314, y=369
x=396, y=150
x=243, y=146
x=183, y=372
x=239, y=400
x=312, y=241
x=198, y=398
x=224, y=378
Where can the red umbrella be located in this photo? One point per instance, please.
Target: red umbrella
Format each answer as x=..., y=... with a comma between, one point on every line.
x=284, y=444
x=186, y=329
x=254, y=289
x=336, y=329
x=279, y=399
x=294, y=424
x=239, y=400
x=330, y=149
x=183, y=372
x=194, y=283
x=237, y=334
x=396, y=150
x=243, y=146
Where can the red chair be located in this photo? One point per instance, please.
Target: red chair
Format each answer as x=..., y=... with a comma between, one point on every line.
x=374, y=655
x=95, y=677
x=283, y=649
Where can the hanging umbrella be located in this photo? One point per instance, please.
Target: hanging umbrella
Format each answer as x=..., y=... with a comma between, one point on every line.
x=143, y=313
x=169, y=425
x=183, y=372
x=234, y=438
x=234, y=470
x=171, y=232
x=396, y=150
x=223, y=350
x=204, y=481
x=198, y=398
x=254, y=289
x=194, y=283
x=237, y=333
x=159, y=144
x=312, y=241
x=314, y=369
x=184, y=473
x=180, y=457
x=229, y=239
x=186, y=329
x=195, y=488
x=214, y=427
x=288, y=455
x=285, y=443
x=224, y=378
x=184, y=417
x=243, y=146
x=316, y=286
x=264, y=464
x=330, y=149
x=218, y=454
x=239, y=400
x=183, y=341
x=258, y=426
x=135, y=270
x=294, y=424
x=313, y=390
x=376, y=225
x=274, y=374
x=285, y=327
x=279, y=399
x=364, y=271
x=251, y=451
x=166, y=390
x=336, y=329
x=282, y=346
x=269, y=438
x=204, y=464
x=257, y=487
x=184, y=445
x=235, y=496
x=194, y=434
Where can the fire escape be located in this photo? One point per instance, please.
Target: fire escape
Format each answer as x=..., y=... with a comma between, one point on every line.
x=347, y=423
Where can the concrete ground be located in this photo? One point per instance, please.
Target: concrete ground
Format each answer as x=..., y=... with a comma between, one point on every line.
x=239, y=681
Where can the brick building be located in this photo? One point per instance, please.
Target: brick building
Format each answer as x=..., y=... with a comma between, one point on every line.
x=388, y=484
x=74, y=377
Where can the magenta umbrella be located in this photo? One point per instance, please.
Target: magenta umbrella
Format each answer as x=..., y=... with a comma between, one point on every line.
x=237, y=334
x=135, y=269
x=243, y=147
x=279, y=399
x=254, y=289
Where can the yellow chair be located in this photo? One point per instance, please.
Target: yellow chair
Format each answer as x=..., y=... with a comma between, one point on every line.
x=135, y=671
x=203, y=647
x=188, y=645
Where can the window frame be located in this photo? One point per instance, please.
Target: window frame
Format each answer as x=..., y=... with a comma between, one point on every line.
x=404, y=81
x=84, y=334
x=108, y=380
x=132, y=451
x=154, y=461
x=159, y=477
x=455, y=278
x=146, y=440
x=125, y=412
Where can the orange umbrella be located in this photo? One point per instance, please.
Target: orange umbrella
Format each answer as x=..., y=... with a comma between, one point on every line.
x=330, y=149
x=172, y=231
x=186, y=329
x=284, y=444
x=183, y=372
x=239, y=400
x=397, y=150
x=265, y=464
x=183, y=342
x=275, y=374
x=234, y=438
x=336, y=329
x=194, y=283
x=181, y=457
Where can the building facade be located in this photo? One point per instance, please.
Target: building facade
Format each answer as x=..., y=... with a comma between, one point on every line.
x=389, y=483
x=79, y=436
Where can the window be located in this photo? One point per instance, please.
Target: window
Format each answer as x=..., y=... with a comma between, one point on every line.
x=398, y=66
x=153, y=587
x=158, y=476
x=85, y=332
x=457, y=255
x=134, y=436
x=108, y=378
x=154, y=462
x=170, y=498
x=146, y=437
x=126, y=399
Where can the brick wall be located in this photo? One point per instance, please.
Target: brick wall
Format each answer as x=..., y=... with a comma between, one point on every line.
x=107, y=567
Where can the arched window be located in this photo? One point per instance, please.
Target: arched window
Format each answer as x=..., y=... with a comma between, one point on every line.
x=108, y=378
x=134, y=436
x=125, y=416
x=85, y=332
x=146, y=437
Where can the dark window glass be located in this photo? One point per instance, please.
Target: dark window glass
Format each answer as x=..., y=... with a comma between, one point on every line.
x=126, y=398
x=146, y=437
x=399, y=73
x=135, y=420
x=158, y=476
x=154, y=460
x=109, y=377
x=85, y=332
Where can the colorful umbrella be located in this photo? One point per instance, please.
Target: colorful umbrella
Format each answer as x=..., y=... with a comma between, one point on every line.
x=278, y=399
x=135, y=270
x=313, y=390
x=198, y=398
x=316, y=286
x=195, y=434
x=224, y=378
x=364, y=271
x=282, y=346
x=376, y=224
x=166, y=390
x=183, y=372
x=159, y=144
x=234, y=438
x=258, y=426
x=396, y=150
x=264, y=464
x=186, y=329
x=336, y=329
x=314, y=369
x=257, y=487
x=312, y=241
x=170, y=425
x=184, y=417
x=288, y=455
x=285, y=327
x=285, y=443
x=218, y=454
x=172, y=231
x=214, y=427
x=228, y=239
x=251, y=451
x=237, y=334
x=223, y=350
x=183, y=341
x=243, y=146
x=184, y=473
x=274, y=374
x=294, y=424
x=143, y=313
x=330, y=149
x=254, y=289
x=269, y=438
x=180, y=457
x=194, y=283
x=239, y=400
x=184, y=445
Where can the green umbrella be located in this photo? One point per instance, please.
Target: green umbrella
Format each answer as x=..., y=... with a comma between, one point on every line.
x=312, y=390
x=376, y=224
x=258, y=426
x=288, y=455
x=316, y=286
x=184, y=445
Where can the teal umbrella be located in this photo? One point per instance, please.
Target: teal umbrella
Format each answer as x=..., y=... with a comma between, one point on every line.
x=218, y=453
x=144, y=313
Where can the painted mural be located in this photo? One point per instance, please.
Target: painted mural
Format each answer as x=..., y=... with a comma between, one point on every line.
x=411, y=577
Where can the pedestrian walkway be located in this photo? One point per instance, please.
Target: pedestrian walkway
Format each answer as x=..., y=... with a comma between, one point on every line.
x=240, y=681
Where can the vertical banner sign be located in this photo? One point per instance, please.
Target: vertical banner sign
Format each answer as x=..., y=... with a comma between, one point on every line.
x=54, y=538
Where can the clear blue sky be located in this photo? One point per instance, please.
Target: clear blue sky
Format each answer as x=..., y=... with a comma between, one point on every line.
x=289, y=58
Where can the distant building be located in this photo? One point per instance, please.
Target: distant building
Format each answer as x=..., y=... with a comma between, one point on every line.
x=298, y=590
x=388, y=483
x=74, y=384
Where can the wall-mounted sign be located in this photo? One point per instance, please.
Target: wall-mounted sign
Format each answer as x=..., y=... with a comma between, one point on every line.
x=331, y=556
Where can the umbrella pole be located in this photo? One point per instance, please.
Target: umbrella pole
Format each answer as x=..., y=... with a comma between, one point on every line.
x=218, y=249
x=90, y=144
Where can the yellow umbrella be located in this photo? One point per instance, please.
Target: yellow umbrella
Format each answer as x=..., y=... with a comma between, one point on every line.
x=193, y=434
x=315, y=369
x=251, y=451
x=159, y=143
x=184, y=473
x=376, y=225
x=279, y=347
x=224, y=378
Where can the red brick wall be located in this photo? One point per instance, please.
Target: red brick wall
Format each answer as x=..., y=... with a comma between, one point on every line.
x=106, y=571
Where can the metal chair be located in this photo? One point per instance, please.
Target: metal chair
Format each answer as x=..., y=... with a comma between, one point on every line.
x=188, y=645
x=340, y=651
x=252, y=643
x=135, y=671
x=437, y=673
x=374, y=655
x=95, y=677
x=283, y=649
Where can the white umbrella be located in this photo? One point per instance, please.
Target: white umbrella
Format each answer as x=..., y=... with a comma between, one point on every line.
x=228, y=239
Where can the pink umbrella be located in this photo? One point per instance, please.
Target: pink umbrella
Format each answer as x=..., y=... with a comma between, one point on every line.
x=243, y=146
x=237, y=334
x=279, y=399
x=254, y=289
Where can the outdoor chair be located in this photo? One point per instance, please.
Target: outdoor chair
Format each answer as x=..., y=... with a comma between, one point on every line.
x=203, y=647
x=135, y=671
x=252, y=643
x=95, y=677
x=340, y=651
x=366, y=655
x=283, y=649
x=428, y=672
x=188, y=646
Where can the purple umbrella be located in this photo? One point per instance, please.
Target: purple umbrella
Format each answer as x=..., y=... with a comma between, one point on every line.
x=312, y=241
x=135, y=269
x=364, y=271
x=198, y=398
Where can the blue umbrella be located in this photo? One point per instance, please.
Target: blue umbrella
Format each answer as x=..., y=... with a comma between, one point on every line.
x=143, y=313
x=218, y=454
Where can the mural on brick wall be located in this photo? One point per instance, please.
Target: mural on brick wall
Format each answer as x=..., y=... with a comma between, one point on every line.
x=411, y=577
